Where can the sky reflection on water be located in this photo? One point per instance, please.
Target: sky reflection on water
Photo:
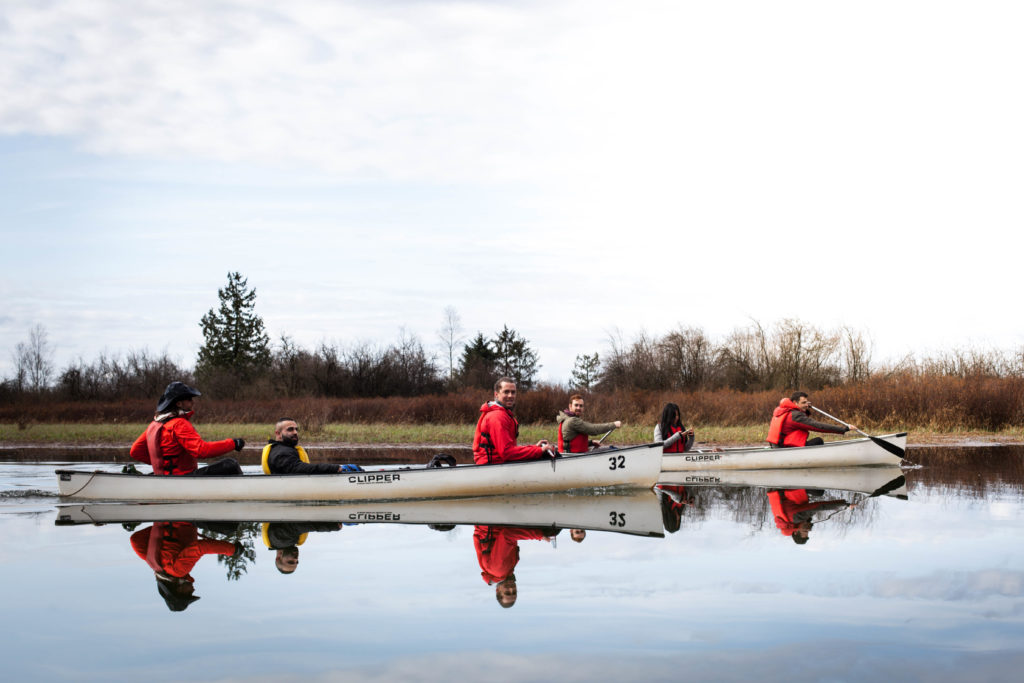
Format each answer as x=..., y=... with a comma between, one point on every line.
x=928, y=587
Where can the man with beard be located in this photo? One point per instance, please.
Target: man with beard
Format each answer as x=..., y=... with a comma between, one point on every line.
x=497, y=430
x=284, y=455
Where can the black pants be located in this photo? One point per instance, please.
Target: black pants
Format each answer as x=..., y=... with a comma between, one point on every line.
x=222, y=466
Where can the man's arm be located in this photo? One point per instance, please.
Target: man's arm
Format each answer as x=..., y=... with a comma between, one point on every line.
x=575, y=425
x=812, y=425
x=285, y=460
x=502, y=430
x=190, y=440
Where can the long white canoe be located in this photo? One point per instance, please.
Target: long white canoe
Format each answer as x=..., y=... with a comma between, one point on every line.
x=636, y=512
x=888, y=479
x=847, y=453
x=635, y=467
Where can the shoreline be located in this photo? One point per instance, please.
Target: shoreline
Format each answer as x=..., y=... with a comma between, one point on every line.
x=418, y=437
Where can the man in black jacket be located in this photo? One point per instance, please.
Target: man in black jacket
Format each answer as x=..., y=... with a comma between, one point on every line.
x=287, y=457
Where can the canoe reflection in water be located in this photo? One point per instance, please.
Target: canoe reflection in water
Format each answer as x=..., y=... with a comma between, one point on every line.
x=794, y=512
x=286, y=537
x=497, y=550
x=172, y=549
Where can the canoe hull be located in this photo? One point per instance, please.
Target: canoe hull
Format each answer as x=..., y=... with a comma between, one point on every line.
x=848, y=453
x=636, y=467
x=635, y=512
x=855, y=479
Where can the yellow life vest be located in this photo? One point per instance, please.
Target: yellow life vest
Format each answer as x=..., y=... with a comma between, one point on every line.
x=266, y=453
x=265, y=532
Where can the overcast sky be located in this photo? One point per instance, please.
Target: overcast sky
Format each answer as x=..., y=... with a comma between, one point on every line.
x=566, y=168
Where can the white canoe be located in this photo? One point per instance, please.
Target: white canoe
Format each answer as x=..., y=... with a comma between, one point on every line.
x=885, y=478
x=635, y=512
x=847, y=453
x=635, y=467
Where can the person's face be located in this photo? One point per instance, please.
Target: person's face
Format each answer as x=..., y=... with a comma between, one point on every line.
x=287, y=433
x=577, y=535
x=804, y=404
x=287, y=562
x=507, y=592
x=675, y=418
x=576, y=407
x=506, y=394
x=187, y=404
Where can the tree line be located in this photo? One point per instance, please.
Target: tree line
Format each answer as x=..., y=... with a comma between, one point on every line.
x=238, y=360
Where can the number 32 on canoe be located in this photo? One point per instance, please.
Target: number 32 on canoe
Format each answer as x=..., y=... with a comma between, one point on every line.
x=617, y=462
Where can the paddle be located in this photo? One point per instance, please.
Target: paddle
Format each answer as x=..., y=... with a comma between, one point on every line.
x=885, y=445
x=604, y=437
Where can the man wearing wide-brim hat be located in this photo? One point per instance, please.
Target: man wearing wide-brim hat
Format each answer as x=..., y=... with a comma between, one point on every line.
x=171, y=444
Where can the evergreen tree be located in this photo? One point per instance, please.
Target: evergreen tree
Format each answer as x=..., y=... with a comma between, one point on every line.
x=477, y=367
x=235, y=341
x=514, y=358
x=585, y=372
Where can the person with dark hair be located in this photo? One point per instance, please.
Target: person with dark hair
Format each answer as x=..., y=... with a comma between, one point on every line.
x=671, y=423
x=171, y=444
x=494, y=440
x=574, y=433
x=284, y=455
x=791, y=422
x=172, y=549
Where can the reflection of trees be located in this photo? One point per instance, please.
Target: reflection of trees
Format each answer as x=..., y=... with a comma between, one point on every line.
x=241, y=533
x=968, y=472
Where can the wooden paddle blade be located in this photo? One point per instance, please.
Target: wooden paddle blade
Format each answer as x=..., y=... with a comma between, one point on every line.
x=895, y=450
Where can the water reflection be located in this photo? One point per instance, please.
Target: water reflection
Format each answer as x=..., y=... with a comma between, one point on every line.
x=285, y=538
x=497, y=551
x=172, y=549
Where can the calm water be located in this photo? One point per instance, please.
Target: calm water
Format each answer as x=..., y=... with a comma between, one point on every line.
x=922, y=581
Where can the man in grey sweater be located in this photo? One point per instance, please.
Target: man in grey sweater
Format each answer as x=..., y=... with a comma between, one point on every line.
x=574, y=433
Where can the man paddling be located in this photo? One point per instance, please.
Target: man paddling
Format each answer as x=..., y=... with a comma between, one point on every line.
x=284, y=455
x=791, y=422
x=171, y=444
x=573, y=433
x=494, y=440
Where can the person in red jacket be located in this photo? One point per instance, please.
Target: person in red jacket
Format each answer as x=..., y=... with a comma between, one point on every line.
x=497, y=430
x=171, y=444
x=573, y=433
x=497, y=551
x=172, y=549
x=791, y=422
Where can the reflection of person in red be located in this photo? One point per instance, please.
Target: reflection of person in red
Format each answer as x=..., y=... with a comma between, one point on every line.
x=172, y=549
x=497, y=550
x=793, y=512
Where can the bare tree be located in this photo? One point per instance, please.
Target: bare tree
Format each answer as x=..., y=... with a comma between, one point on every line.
x=451, y=337
x=33, y=361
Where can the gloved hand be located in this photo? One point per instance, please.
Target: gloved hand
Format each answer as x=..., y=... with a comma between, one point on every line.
x=239, y=549
x=239, y=444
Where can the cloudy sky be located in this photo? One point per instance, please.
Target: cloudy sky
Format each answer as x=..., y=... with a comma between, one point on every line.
x=570, y=169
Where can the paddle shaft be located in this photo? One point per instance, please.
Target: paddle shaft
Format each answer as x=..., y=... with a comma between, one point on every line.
x=605, y=436
x=833, y=417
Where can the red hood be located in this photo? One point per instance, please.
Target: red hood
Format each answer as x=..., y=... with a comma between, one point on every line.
x=491, y=406
x=785, y=406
